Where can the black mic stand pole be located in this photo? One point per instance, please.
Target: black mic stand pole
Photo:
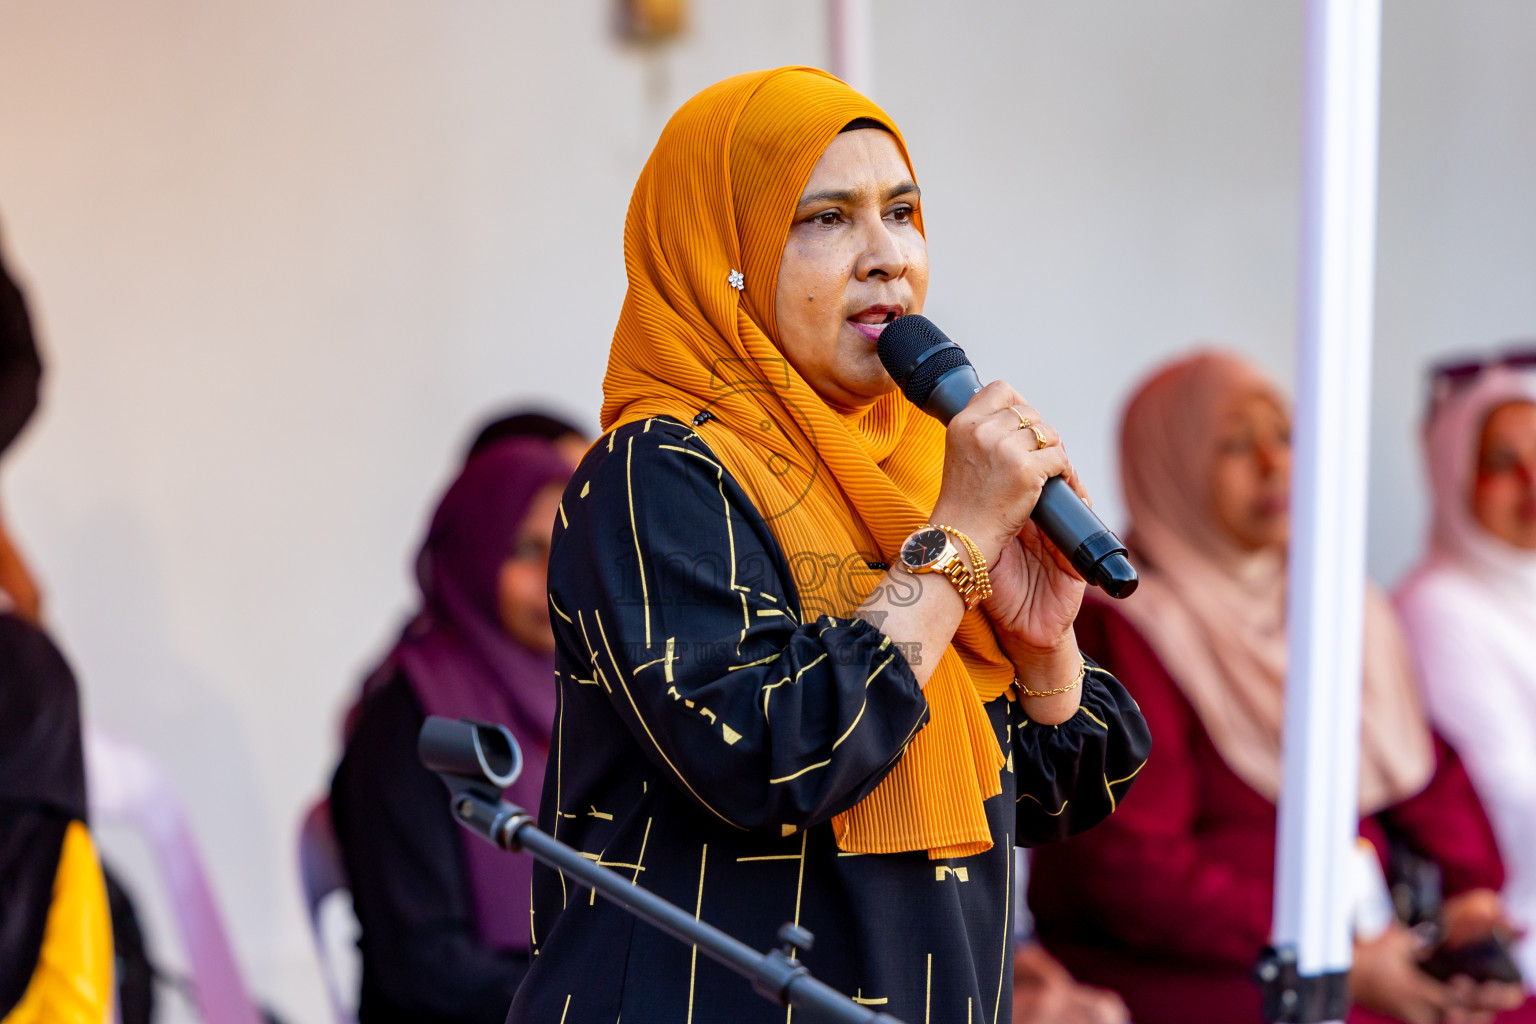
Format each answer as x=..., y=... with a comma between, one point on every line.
x=477, y=760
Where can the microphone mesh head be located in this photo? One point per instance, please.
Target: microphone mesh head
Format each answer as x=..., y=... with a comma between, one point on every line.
x=930, y=371
x=903, y=341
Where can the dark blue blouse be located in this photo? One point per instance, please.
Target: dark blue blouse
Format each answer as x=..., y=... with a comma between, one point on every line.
x=705, y=736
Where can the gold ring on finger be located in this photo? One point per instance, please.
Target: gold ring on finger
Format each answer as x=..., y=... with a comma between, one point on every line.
x=1025, y=423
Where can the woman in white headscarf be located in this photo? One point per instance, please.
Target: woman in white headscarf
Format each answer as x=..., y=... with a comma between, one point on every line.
x=1469, y=608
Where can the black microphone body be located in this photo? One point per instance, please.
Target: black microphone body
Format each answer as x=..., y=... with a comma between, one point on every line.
x=935, y=375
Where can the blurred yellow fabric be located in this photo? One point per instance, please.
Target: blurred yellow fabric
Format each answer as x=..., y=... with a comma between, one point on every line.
x=73, y=980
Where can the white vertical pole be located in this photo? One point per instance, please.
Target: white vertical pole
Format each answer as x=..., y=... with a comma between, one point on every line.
x=1319, y=804
x=851, y=33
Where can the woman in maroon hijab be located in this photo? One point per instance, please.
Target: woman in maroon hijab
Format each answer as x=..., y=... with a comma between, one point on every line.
x=444, y=915
x=1169, y=901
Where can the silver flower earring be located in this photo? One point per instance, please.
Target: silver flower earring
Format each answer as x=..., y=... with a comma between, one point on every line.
x=736, y=280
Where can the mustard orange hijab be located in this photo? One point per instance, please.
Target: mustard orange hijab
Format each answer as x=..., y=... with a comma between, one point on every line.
x=716, y=201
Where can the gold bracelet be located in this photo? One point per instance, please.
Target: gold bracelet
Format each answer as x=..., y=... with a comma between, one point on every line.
x=1082, y=672
x=983, y=579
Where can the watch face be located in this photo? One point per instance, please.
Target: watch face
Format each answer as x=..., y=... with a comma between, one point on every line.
x=924, y=547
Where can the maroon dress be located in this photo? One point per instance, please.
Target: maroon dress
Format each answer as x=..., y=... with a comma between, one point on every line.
x=1168, y=902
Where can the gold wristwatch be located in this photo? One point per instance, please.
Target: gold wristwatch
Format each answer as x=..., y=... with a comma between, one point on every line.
x=930, y=549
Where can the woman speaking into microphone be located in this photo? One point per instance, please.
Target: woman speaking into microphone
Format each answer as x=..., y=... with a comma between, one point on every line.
x=815, y=664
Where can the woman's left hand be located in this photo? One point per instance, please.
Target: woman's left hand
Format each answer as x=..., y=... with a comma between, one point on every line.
x=1470, y=917
x=1035, y=593
x=1035, y=596
x=1044, y=993
x=1473, y=915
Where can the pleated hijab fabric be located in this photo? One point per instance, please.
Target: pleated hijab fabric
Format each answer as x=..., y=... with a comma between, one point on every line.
x=715, y=201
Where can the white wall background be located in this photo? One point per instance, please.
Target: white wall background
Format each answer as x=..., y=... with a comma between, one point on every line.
x=282, y=255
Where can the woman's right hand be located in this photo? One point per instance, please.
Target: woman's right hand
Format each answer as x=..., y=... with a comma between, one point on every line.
x=1386, y=978
x=993, y=469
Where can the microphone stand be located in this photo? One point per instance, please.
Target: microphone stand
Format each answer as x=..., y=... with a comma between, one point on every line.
x=477, y=760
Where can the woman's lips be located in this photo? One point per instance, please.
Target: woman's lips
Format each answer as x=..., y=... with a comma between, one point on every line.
x=872, y=321
x=870, y=331
x=1273, y=505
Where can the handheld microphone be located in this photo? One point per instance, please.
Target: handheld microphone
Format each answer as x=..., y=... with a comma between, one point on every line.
x=935, y=375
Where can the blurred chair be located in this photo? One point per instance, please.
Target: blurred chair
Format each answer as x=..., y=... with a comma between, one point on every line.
x=323, y=872
x=126, y=787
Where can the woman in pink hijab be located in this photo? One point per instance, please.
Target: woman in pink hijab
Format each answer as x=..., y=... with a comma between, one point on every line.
x=1469, y=608
x=1169, y=901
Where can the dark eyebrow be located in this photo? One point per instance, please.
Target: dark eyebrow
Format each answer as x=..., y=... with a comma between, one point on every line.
x=854, y=196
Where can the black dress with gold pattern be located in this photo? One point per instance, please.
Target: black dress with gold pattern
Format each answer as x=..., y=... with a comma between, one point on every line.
x=705, y=736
